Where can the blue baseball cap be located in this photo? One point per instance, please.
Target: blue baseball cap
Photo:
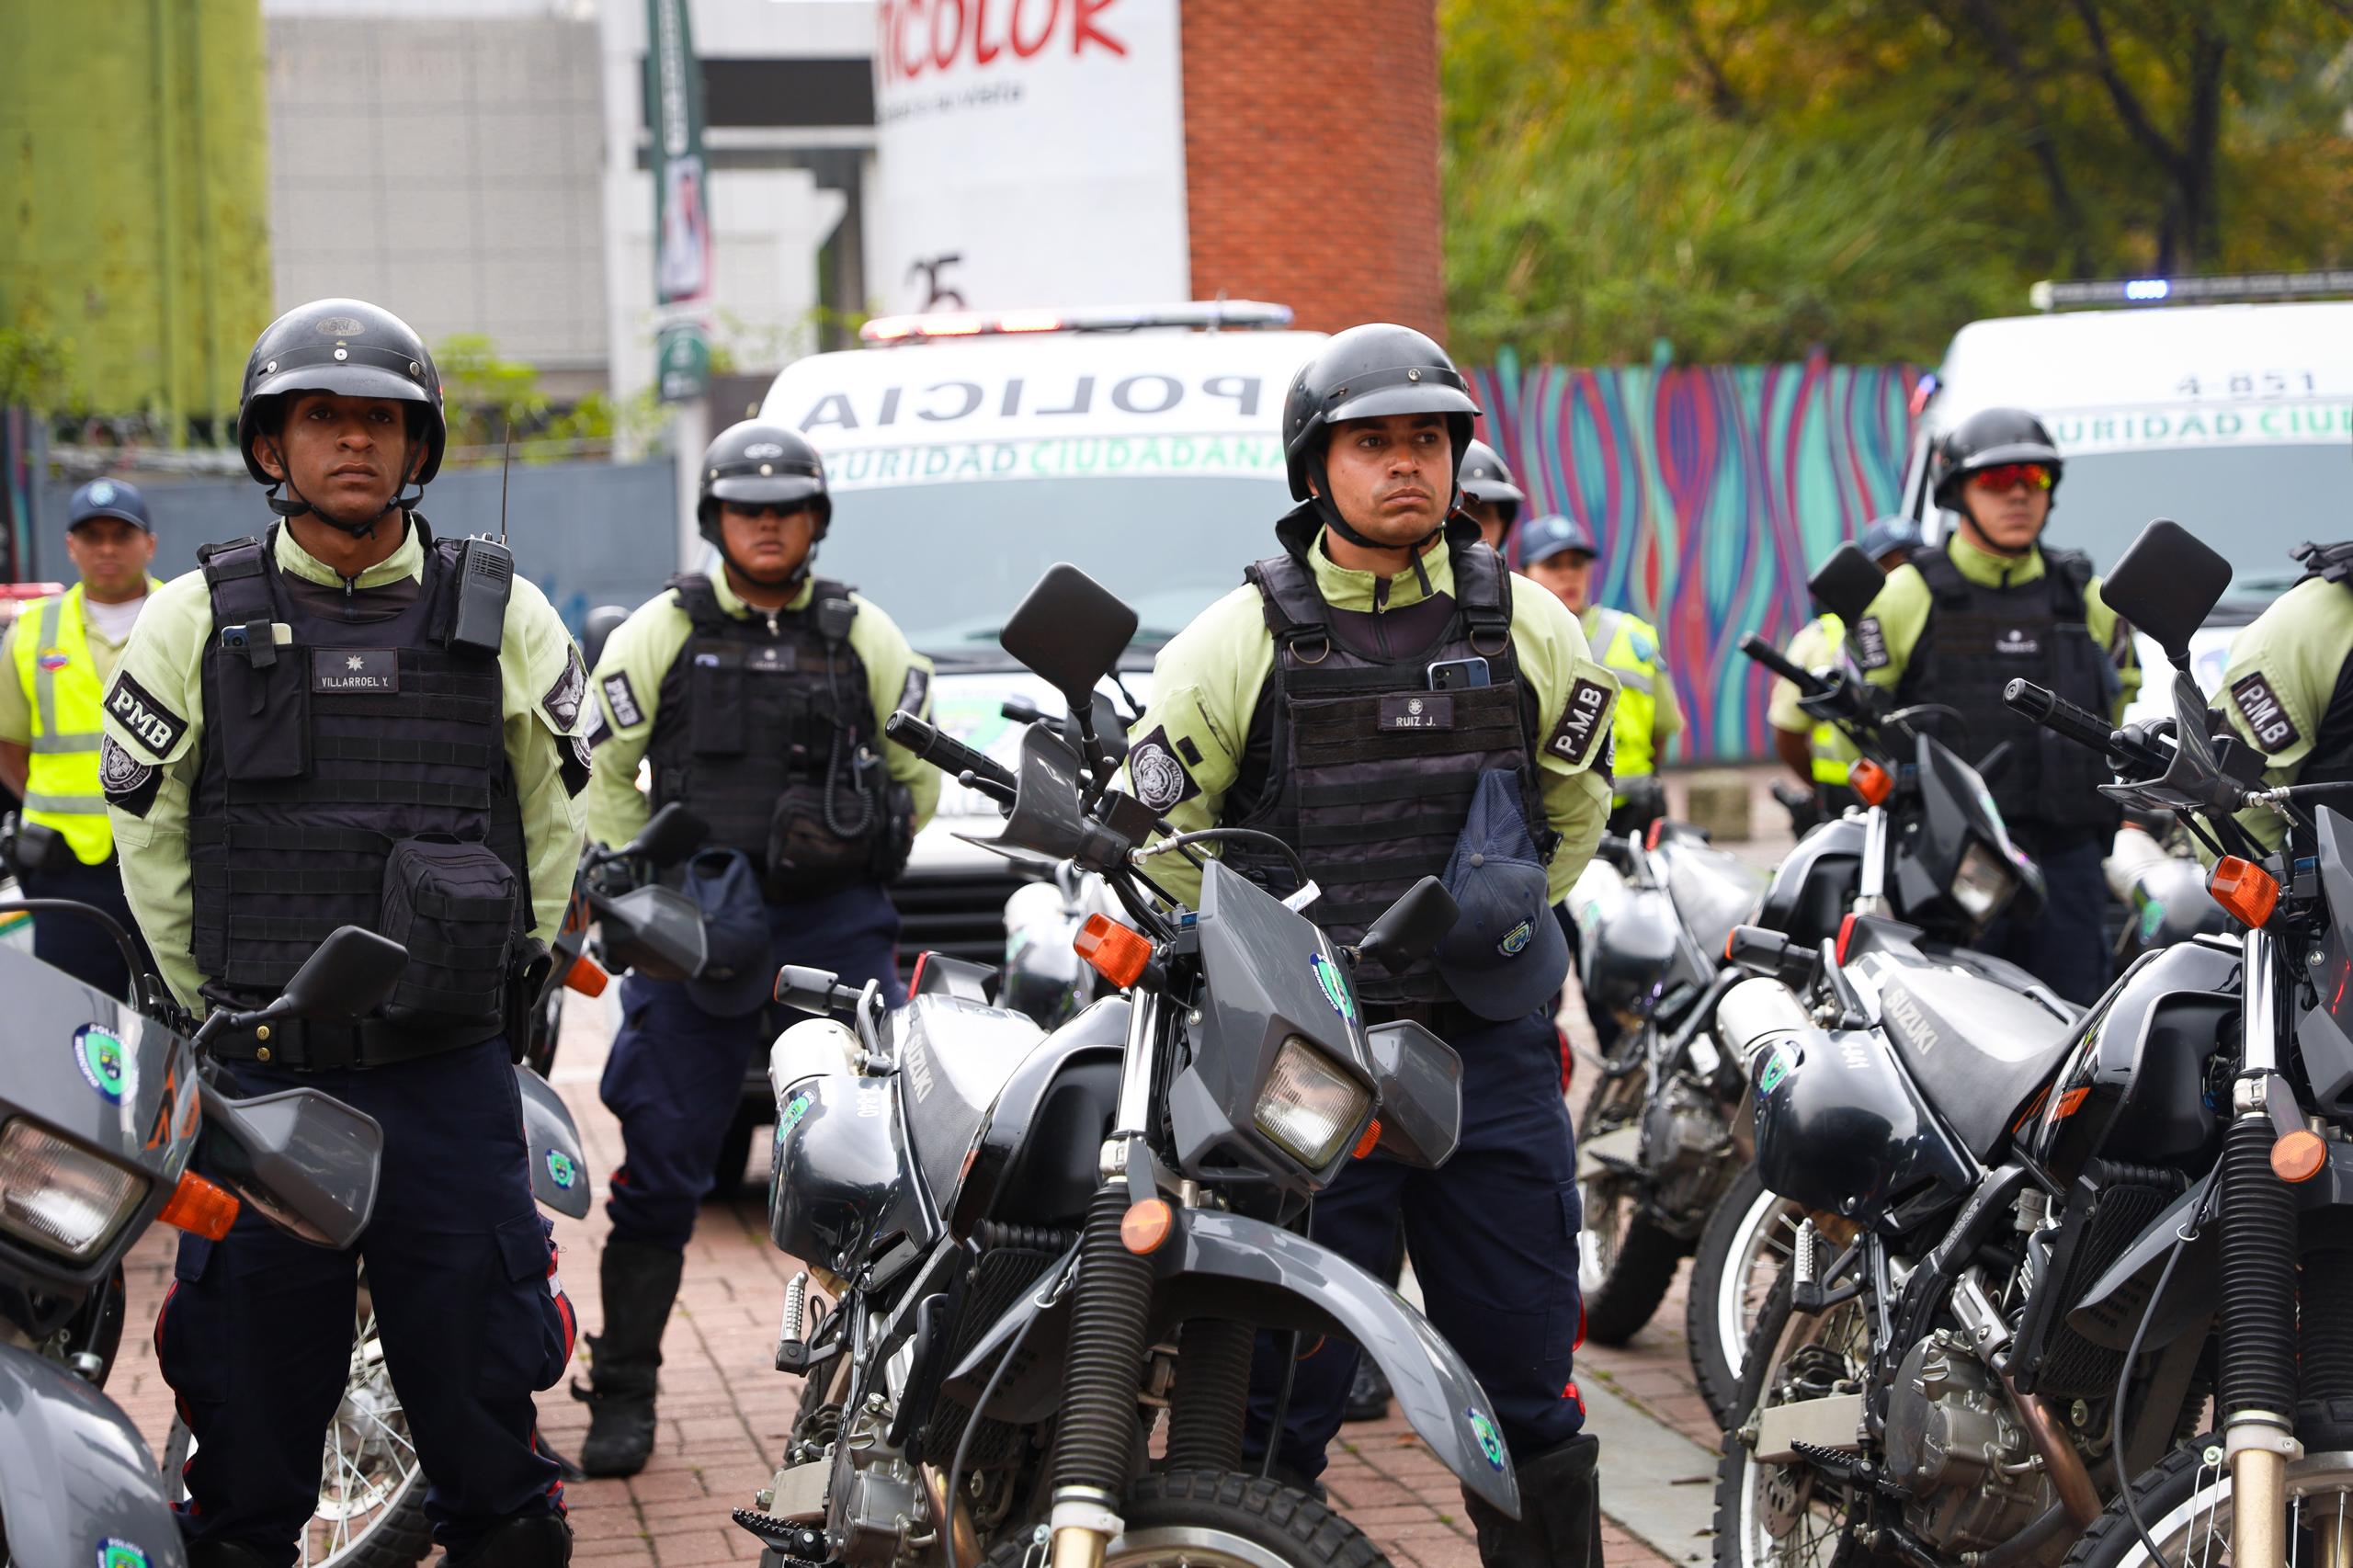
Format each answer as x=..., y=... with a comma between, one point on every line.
x=107, y=498
x=1506, y=954
x=1887, y=534
x=739, y=975
x=1540, y=538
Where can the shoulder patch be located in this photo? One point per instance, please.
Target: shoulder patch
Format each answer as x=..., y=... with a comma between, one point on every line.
x=916, y=689
x=623, y=699
x=1584, y=721
x=139, y=710
x=563, y=699
x=128, y=783
x=1161, y=779
x=1871, y=644
x=2267, y=718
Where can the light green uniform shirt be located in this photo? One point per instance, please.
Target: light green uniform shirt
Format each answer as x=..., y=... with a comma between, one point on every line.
x=165, y=655
x=2282, y=673
x=640, y=651
x=1902, y=611
x=1207, y=681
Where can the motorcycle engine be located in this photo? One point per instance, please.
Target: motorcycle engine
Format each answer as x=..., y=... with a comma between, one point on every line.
x=1687, y=1149
x=1955, y=1448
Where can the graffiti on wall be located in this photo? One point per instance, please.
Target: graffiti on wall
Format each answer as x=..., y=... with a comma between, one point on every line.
x=1713, y=490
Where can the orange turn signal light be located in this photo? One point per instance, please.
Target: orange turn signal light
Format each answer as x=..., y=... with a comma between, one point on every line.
x=586, y=976
x=2300, y=1156
x=1112, y=950
x=1145, y=1225
x=200, y=1208
x=2246, y=892
x=1872, y=782
x=1372, y=1139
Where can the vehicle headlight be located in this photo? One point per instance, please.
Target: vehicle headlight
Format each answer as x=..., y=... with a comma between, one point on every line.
x=60, y=1197
x=1982, y=882
x=1309, y=1106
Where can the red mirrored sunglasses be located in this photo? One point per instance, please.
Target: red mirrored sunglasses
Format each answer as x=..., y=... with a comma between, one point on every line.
x=2009, y=476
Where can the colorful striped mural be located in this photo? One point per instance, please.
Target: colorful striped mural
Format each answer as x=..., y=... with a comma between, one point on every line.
x=1714, y=492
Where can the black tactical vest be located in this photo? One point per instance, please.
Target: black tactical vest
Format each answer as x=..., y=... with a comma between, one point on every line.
x=1977, y=640
x=766, y=730
x=354, y=774
x=1356, y=764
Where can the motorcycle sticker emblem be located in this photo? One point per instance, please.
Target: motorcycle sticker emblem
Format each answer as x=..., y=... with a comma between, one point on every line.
x=1491, y=1442
x=1777, y=1067
x=100, y=1055
x=561, y=1170
x=1336, y=988
x=1516, y=940
x=794, y=1109
x=113, y=1554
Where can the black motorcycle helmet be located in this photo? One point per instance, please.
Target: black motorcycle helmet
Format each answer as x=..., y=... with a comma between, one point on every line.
x=354, y=349
x=1364, y=373
x=758, y=463
x=598, y=629
x=1989, y=439
x=1487, y=478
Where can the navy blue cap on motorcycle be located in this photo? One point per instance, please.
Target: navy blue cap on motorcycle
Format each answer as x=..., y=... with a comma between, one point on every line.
x=1540, y=538
x=1887, y=535
x=737, y=977
x=1506, y=954
x=107, y=498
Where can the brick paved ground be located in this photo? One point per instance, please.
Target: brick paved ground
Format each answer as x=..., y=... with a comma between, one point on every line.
x=725, y=1411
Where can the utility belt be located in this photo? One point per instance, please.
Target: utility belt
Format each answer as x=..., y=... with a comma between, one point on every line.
x=308, y=1045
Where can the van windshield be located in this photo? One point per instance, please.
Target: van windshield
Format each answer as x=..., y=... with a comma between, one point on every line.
x=2253, y=504
x=951, y=561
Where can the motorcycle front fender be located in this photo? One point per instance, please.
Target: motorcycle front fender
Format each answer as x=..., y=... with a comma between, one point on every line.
x=559, y=1173
x=77, y=1484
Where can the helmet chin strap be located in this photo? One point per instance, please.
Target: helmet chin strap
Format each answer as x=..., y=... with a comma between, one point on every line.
x=1321, y=493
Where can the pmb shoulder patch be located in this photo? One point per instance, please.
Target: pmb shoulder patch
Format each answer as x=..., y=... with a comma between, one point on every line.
x=143, y=713
x=2267, y=718
x=1585, y=720
x=623, y=699
x=1871, y=644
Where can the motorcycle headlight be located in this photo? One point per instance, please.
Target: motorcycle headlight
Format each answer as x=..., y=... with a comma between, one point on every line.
x=1984, y=881
x=59, y=1198
x=1309, y=1106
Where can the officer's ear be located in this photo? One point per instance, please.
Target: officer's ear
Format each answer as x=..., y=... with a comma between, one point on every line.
x=266, y=453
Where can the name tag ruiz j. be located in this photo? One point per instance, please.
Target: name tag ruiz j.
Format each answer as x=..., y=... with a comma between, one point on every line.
x=1420, y=711
x=340, y=670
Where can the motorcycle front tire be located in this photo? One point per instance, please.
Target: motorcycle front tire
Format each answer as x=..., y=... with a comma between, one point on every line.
x=1193, y=1515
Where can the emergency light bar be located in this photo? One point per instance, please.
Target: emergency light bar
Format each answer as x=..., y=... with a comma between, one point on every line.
x=1212, y=315
x=2249, y=286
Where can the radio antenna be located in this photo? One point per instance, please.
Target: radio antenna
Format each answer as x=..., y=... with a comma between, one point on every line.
x=506, y=468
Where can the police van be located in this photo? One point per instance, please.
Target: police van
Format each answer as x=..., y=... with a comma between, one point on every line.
x=967, y=452
x=2216, y=401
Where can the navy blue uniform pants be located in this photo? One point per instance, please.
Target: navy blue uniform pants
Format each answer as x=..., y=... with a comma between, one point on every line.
x=677, y=1073
x=2065, y=945
x=1492, y=1234
x=75, y=943
x=256, y=1333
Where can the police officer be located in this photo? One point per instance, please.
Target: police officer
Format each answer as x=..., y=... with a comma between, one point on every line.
x=2289, y=685
x=1817, y=751
x=336, y=724
x=1559, y=554
x=1433, y=671
x=759, y=692
x=61, y=652
x=1491, y=496
x=1954, y=626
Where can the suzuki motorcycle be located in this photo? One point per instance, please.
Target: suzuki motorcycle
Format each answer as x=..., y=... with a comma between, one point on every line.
x=1036, y=1245
x=104, y=1109
x=2030, y=1256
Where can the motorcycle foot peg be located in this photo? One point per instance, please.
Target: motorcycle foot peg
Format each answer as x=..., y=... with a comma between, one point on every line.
x=796, y=1543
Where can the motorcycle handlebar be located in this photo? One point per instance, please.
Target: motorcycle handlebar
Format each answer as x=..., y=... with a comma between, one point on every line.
x=2081, y=726
x=1765, y=653
x=947, y=754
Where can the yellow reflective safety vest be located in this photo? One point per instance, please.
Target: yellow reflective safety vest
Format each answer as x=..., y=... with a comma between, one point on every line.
x=1628, y=647
x=1834, y=753
x=62, y=790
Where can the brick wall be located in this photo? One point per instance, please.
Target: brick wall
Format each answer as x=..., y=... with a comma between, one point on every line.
x=1311, y=157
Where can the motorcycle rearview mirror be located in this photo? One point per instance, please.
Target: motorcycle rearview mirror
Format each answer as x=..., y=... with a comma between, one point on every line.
x=671, y=835
x=2166, y=584
x=349, y=975
x=1848, y=584
x=307, y=1161
x=1070, y=629
x=1411, y=929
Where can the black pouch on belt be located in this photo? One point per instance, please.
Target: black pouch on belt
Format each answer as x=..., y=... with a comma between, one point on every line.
x=453, y=906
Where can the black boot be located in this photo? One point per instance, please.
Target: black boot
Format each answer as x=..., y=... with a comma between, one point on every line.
x=230, y=1554
x=1369, y=1395
x=640, y=1284
x=1559, y=1512
x=535, y=1540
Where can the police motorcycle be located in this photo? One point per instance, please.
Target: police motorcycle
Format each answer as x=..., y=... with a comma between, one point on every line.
x=1036, y=1244
x=1043, y=975
x=93, y=1153
x=2031, y=1258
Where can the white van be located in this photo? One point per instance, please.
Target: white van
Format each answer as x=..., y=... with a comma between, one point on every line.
x=2234, y=420
x=968, y=453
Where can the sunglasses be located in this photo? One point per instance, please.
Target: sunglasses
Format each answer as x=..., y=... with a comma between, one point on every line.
x=2012, y=476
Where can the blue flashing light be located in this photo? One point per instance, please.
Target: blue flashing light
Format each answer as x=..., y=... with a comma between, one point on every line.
x=2147, y=289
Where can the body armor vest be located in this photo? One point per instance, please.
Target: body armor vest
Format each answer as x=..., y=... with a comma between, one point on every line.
x=1356, y=764
x=1978, y=640
x=354, y=774
x=765, y=730
x=2331, y=759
